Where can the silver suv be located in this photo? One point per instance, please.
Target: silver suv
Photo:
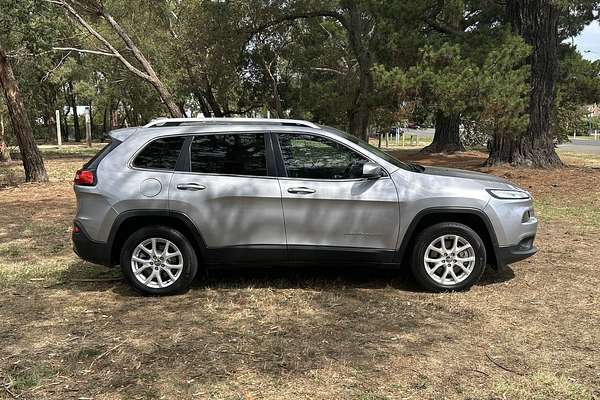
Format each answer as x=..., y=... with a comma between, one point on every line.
x=163, y=199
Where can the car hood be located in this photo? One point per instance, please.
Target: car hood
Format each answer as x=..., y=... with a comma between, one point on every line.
x=459, y=173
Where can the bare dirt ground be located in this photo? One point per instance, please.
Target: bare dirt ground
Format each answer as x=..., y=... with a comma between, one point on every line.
x=529, y=331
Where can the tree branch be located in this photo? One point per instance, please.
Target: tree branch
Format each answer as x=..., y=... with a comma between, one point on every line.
x=102, y=53
x=443, y=28
x=93, y=32
x=292, y=17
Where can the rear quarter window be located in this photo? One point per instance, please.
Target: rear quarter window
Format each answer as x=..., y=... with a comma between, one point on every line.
x=160, y=154
x=94, y=161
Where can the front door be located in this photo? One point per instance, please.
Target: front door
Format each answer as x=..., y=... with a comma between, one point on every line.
x=329, y=209
x=230, y=196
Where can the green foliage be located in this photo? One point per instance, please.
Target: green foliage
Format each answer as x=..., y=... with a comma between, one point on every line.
x=502, y=83
x=455, y=57
x=489, y=91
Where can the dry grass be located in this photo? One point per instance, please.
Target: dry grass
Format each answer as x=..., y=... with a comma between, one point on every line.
x=530, y=331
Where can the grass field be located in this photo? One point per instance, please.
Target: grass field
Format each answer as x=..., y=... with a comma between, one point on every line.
x=529, y=331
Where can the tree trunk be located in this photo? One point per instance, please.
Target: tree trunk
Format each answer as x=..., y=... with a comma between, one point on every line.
x=537, y=22
x=447, y=134
x=4, y=152
x=30, y=154
x=105, y=121
x=212, y=101
x=167, y=98
x=361, y=110
x=72, y=103
x=203, y=105
x=65, y=129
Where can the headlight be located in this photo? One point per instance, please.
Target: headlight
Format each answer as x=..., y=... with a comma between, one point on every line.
x=508, y=194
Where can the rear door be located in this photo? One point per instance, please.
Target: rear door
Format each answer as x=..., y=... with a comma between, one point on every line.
x=232, y=196
x=329, y=209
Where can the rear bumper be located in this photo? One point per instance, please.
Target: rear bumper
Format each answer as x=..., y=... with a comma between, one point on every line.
x=89, y=250
x=511, y=254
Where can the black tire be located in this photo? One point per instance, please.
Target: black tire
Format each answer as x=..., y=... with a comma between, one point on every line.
x=190, y=260
x=427, y=236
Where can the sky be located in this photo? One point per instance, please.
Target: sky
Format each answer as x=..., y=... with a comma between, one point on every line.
x=588, y=41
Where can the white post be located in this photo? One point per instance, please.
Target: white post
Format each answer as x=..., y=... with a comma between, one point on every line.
x=58, y=133
x=88, y=129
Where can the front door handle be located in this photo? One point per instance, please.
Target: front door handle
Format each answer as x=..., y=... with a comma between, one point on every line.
x=191, y=186
x=301, y=190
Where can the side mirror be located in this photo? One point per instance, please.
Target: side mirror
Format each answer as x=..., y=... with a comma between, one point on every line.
x=371, y=170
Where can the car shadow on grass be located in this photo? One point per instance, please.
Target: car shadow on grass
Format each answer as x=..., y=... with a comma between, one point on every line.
x=290, y=277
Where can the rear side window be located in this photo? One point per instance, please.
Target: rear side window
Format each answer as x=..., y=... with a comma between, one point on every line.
x=229, y=154
x=160, y=154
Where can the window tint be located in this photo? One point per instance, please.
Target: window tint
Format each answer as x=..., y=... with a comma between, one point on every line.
x=160, y=154
x=234, y=154
x=308, y=156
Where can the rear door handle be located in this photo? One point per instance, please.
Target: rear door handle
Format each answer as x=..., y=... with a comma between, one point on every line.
x=191, y=186
x=301, y=190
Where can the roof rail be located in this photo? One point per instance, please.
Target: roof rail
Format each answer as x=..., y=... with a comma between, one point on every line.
x=165, y=122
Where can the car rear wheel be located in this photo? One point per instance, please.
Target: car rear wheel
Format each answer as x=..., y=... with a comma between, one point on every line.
x=448, y=256
x=159, y=260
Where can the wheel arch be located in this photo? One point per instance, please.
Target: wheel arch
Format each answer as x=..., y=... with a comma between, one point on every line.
x=130, y=221
x=472, y=217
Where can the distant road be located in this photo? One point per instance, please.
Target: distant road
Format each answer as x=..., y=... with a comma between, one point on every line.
x=581, y=146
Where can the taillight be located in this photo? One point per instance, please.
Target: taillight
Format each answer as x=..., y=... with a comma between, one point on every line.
x=84, y=177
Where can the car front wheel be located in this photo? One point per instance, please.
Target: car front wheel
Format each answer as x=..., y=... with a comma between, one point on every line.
x=448, y=257
x=159, y=260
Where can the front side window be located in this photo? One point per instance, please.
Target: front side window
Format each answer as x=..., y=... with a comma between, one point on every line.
x=316, y=157
x=160, y=154
x=229, y=154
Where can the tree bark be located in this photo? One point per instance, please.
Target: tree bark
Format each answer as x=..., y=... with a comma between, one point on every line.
x=73, y=104
x=105, y=121
x=30, y=154
x=202, y=102
x=4, y=152
x=361, y=111
x=212, y=101
x=447, y=134
x=277, y=105
x=536, y=21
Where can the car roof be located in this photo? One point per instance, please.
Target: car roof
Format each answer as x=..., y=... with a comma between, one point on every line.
x=175, y=126
x=164, y=122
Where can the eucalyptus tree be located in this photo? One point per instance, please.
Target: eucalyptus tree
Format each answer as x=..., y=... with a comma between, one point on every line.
x=356, y=18
x=16, y=21
x=117, y=41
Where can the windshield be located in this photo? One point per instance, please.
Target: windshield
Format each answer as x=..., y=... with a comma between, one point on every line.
x=378, y=152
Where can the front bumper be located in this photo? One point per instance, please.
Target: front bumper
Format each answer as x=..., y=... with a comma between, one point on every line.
x=510, y=254
x=89, y=250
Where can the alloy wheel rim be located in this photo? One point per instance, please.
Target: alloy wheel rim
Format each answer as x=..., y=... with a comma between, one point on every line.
x=157, y=263
x=449, y=260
